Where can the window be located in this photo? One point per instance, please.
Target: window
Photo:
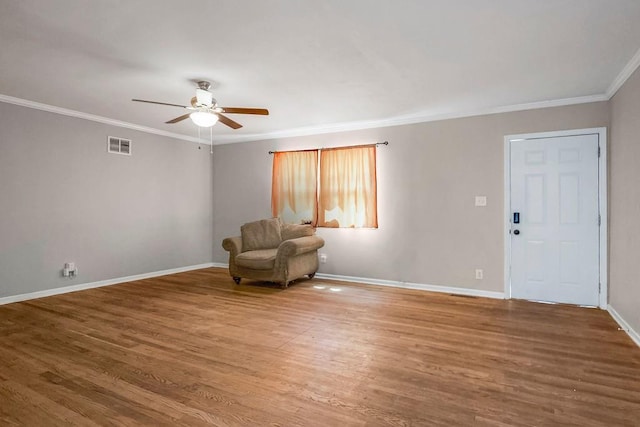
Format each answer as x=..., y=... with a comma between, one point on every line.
x=294, y=184
x=346, y=179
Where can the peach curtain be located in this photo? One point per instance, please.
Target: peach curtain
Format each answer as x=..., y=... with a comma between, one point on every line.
x=348, y=187
x=294, y=196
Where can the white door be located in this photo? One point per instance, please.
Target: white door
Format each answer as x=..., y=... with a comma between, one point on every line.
x=555, y=219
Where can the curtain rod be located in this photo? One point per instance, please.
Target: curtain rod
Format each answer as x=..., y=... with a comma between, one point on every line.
x=325, y=148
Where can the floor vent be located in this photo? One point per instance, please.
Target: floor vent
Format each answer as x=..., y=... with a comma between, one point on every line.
x=119, y=145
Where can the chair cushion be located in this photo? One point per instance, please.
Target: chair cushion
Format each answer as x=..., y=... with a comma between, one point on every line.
x=263, y=234
x=293, y=231
x=261, y=259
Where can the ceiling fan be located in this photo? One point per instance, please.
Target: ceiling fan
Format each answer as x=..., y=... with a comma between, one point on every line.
x=205, y=109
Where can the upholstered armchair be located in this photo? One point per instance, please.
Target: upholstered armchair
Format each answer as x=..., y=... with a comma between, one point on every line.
x=274, y=252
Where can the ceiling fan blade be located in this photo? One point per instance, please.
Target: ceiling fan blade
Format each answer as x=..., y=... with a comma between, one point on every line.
x=178, y=119
x=239, y=110
x=227, y=121
x=159, y=103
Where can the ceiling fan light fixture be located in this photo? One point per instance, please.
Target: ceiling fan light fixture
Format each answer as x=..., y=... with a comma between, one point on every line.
x=204, y=97
x=204, y=119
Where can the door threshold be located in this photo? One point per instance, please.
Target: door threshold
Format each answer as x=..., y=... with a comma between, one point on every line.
x=561, y=303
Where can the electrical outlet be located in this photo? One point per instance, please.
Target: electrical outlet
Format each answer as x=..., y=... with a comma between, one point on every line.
x=323, y=258
x=70, y=270
x=479, y=274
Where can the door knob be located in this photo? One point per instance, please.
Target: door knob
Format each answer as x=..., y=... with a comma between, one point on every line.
x=516, y=232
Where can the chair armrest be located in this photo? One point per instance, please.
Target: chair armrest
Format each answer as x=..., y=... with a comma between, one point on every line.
x=233, y=245
x=301, y=245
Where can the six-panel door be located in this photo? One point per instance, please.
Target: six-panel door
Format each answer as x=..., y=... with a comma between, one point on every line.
x=555, y=250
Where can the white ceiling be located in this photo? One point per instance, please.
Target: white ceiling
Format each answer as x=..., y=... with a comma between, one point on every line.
x=317, y=65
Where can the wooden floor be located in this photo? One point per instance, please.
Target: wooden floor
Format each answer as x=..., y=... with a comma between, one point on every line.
x=195, y=349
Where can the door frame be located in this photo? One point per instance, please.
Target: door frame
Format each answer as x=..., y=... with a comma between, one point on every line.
x=602, y=203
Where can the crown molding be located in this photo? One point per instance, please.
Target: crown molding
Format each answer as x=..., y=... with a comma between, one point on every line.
x=105, y=120
x=409, y=119
x=627, y=71
x=422, y=117
x=624, y=75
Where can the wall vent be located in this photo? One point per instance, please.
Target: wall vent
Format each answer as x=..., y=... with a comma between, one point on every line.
x=119, y=145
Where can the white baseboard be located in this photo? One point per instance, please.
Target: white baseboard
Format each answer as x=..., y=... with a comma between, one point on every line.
x=84, y=286
x=419, y=286
x=219, y=265
x=406, y=285
x=624, y=325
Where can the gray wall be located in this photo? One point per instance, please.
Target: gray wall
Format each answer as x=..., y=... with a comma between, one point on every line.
x=624, y=202
x=430, y=232
x=63, y=198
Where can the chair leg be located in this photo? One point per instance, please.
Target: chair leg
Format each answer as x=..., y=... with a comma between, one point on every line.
x=284, y=285
x=237, y=280
x=311, y=275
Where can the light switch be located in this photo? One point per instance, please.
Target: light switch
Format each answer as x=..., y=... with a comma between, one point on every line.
x=481, y=200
